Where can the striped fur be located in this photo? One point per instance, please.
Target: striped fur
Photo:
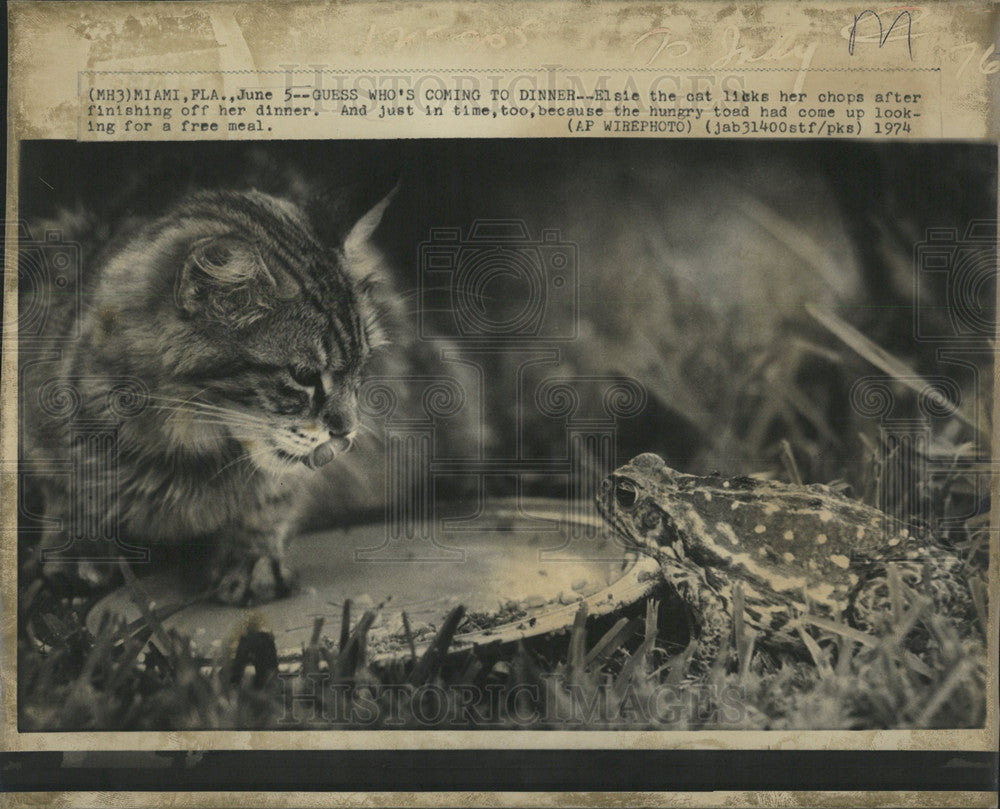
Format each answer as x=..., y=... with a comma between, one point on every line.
x=249, y=337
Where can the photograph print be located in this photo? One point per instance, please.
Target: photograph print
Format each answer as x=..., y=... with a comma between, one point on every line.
x=504, y=434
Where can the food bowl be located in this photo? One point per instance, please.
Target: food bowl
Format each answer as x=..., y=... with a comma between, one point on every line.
x=520, y=570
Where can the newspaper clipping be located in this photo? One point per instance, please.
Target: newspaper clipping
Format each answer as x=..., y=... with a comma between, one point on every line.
x=486, y=379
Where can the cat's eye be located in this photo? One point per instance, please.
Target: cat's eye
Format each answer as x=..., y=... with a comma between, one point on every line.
x=304, y=376
x=626, y=495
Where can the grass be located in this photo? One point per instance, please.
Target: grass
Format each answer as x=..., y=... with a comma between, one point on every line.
x=632, y=670
x=632, y=674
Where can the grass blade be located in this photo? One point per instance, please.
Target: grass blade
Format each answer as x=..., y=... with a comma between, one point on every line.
x=428, y=664
x=409, y=636
x=576, y=655
x=820, y=659
x=886, y=362
x=611, y=640
x=941, y=696
x=345, y=625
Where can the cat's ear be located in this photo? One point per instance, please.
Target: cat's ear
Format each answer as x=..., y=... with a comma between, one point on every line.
x=364, y=260
x=224, y=278
x=347, y=215
x=357, y=237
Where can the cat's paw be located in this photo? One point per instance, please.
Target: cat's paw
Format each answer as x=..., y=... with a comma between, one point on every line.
x=253, y=579
x=80, y=576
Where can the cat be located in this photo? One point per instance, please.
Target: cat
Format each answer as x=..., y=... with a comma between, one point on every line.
x=242, y=340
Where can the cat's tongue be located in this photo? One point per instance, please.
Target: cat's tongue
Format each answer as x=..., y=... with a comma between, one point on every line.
x=325, y=453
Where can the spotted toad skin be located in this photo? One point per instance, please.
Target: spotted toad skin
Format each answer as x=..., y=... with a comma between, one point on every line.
x=791, y=549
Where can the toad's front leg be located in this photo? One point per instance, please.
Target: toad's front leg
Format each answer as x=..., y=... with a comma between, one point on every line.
x=711, y=614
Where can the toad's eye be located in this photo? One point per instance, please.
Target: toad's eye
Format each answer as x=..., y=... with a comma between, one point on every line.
x=304, y=376
x=626, y=495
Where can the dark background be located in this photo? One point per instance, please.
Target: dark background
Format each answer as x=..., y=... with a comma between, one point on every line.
x=884, y=197
x=944, y=185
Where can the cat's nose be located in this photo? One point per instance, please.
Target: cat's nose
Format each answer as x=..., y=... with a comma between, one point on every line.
x=339, y=424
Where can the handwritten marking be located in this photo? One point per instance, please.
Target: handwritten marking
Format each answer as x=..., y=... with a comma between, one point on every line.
x=987, y=66
x=678, y=47
x=883, y=36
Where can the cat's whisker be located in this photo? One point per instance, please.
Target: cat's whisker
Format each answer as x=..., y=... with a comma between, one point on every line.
x=223, y=414
x=362, y=432
x=412, y=294
x=184, y=404
x=191, y=411
x=250, y=425
x=201, y=419
x=415, y=293
x=181, y=400
x=186, y=400
x=247, y=457
x=236, y=419
x=178, y=399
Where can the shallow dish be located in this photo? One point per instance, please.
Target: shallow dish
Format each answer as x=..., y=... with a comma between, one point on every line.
x=519, y=570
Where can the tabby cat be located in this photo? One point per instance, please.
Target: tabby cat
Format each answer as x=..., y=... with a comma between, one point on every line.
x=241, y=339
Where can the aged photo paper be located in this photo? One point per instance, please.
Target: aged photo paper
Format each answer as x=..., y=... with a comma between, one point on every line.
x=557, y=377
